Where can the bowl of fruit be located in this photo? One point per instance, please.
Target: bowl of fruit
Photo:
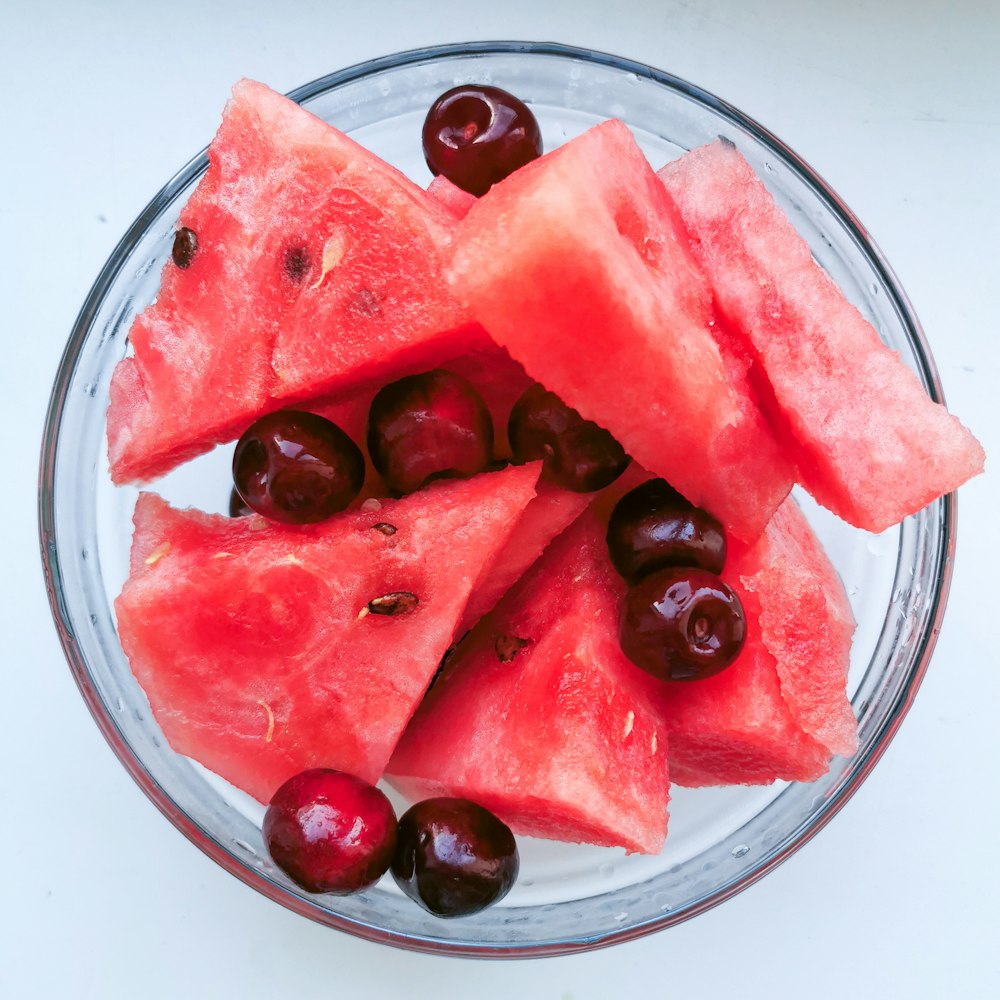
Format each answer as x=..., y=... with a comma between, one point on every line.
x=498, y=501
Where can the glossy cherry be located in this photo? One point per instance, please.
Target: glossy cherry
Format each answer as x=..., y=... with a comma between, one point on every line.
x=297, y=467
x=330, y=831
x=476, y=135
x=682, y=624
x=653, y=527
x=454, y=857
x=429, y=426
x=579, y=455
x=237, y=505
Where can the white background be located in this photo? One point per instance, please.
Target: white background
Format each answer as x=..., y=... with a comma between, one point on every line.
x=896, y=104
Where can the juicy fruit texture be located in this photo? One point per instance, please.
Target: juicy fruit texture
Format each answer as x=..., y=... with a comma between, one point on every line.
x=780, y=711
x=317, y=266
x=805, y=622
x=546, y=516
x=653, y=526
x=454, y=857
x=451, y=196
x=869, y=443
x=297, y=467
x=608, y=309
x=265, y=650
x=428, y=426
x=578, y=455
x=682, y=624
x=330, y=832
x=477, y=135
x=540, y=718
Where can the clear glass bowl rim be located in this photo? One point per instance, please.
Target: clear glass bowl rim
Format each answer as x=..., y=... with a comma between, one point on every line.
x=51, y=561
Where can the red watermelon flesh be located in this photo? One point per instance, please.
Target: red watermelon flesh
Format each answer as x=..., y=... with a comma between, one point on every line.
x=869, y=442
x=547, y=516
x=253, y=640
x=557, y=737
x=457, y=201
x=577, y=264
x=805, y=622
x=318, y=266
x=780, y=711
x=736, y=729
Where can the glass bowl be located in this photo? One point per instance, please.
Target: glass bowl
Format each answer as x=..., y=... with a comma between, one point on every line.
x=568, y=897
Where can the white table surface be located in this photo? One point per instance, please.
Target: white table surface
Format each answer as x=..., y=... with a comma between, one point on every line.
x=896, y=104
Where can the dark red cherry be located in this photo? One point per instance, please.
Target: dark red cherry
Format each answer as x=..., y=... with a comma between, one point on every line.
x=682, y=624
x=653, y=526
x=579, y=455
x=237, y=505
x=476, y=135
x=297, y=467
x=454, y=857
x=429, y=426
x=330, y=831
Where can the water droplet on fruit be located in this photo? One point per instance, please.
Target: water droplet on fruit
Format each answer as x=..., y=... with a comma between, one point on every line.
x=371, y=504
x=741, y=850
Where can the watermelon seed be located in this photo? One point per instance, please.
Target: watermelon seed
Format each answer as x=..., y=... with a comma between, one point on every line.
x=399, y=602
x=629, y=723
x=185, y=247
x=334, y=251
x=385, y=528
x=296, y=263
x=269, y=735
x=508, y=646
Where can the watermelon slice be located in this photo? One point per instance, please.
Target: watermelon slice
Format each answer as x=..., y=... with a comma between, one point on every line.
x=254, y=641
x=869, y=442
x=577, y=264
x=318, y=266
x=780, y=711
x=805, y=623
x=539, y=716
x=457, y=201
x=546, y=516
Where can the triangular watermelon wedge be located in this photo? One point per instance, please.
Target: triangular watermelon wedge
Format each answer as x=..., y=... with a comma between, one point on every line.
x=318, y=266
x=541, y=718
x=256, y=643
x=781, y=710
x=869, y=443
x=805, y=623
x=579, y=266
